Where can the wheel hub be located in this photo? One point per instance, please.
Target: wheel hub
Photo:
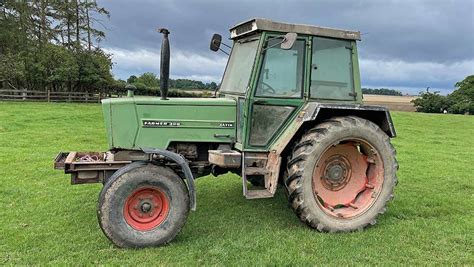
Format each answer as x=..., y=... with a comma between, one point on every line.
x=337, y=172
x=146, y=208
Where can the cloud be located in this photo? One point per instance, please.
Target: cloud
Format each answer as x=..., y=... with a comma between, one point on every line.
x=183, y=64
x=412, y=76
x=405, y=43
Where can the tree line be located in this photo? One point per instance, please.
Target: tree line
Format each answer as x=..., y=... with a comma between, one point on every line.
x=460, y=101
x=53, y=45
x=380, y=91
x=148, y=81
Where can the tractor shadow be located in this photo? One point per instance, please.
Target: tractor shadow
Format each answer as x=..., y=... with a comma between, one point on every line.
x=222, y=211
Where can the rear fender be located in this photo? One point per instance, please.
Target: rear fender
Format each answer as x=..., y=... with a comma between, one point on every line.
x=377, y=114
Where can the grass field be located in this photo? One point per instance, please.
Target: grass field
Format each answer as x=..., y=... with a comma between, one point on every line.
x=44, y=220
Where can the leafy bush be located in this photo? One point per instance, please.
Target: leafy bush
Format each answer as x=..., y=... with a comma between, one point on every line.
x=430, y=102
x=461, y=101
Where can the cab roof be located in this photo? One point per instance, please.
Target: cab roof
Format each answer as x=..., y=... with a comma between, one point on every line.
x=258, y=24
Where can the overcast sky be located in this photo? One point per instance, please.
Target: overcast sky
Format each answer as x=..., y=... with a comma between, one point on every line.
x=408, y=45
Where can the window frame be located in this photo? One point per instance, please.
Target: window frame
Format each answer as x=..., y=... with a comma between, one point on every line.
x=352, y=70
x=262, y=59
x=254, y=65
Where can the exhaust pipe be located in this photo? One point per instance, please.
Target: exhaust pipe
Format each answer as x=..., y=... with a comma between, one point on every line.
x=164, y=64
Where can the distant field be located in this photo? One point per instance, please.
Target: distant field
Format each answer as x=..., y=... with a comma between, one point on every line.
x=395, y=103
x=45, y=220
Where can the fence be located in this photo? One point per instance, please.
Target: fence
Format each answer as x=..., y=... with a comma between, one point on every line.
x=85, y=97
x=399, y=103
x=48, y=96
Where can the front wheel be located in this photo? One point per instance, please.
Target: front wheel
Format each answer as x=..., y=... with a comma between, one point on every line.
x=341, y=174
x=143, y=205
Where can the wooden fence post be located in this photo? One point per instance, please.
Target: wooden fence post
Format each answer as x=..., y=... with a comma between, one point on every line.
x=48, y=95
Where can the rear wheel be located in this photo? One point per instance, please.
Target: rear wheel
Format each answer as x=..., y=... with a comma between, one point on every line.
x=143, y=205
x=341, y=175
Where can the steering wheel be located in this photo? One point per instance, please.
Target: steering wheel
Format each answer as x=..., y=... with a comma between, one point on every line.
x=267, y=88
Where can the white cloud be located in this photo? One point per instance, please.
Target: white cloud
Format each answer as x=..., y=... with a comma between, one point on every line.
x=414, y=74
x=183, y=64
x=410, y=77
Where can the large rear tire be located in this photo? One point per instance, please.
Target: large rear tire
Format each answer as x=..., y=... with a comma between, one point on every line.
x=143, y=205
x=341, y=175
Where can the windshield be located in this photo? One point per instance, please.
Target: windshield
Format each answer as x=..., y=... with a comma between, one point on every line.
x=239, y=67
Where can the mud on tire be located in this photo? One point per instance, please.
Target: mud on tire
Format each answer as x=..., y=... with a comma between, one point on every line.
x=328, y=186
x=143, y=205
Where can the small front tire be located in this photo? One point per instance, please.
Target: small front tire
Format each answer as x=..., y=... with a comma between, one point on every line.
x=143, y=205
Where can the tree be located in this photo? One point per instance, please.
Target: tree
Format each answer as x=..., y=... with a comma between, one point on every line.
x=149, y=79
x=462, y=99
x=48, y=44
x=430, y=102
x=59, y=67
x=212, y=86
x=94, y=70
x=132, y=79
x=381, y=91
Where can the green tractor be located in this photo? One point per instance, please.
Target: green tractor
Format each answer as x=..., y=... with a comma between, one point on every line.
x=289, y=111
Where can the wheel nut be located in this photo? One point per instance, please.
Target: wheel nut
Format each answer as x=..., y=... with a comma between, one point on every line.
x=146, y=207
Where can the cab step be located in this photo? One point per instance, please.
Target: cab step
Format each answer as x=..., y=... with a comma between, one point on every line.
x=255, y=164
x=255, y=171
x=260, y=193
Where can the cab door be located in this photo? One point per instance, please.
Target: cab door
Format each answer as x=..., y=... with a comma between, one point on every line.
x=278, y=91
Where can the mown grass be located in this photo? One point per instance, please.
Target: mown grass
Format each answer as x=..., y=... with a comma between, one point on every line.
x=44, y=220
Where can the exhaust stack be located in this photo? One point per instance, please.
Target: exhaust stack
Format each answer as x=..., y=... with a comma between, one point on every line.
x=164, y=64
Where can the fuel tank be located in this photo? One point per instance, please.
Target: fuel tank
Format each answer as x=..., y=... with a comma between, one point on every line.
x=138, y=122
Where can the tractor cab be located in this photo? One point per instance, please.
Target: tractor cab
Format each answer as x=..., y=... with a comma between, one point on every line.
x=274, y=68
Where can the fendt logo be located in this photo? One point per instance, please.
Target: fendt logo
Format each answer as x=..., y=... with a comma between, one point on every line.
x=150, y=123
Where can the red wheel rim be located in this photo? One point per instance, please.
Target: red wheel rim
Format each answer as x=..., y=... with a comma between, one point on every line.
x=146, y=208
x=348, y=178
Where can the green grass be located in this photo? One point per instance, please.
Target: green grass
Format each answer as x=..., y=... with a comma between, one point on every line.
x=45, y=220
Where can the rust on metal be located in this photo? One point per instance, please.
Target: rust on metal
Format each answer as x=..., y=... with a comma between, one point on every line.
x=345, y=185
x=88, y=167
x=225, y=158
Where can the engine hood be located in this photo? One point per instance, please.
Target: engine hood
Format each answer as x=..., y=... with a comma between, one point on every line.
x=137, y=122
x=144, y=100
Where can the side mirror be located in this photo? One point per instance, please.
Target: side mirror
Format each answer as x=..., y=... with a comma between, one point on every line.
x=215, y=42
x=288, y=40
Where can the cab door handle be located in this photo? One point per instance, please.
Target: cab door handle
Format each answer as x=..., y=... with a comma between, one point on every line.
x=222, y=135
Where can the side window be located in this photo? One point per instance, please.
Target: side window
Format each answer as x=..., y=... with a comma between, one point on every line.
x=281, y=74
x=331, y=72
